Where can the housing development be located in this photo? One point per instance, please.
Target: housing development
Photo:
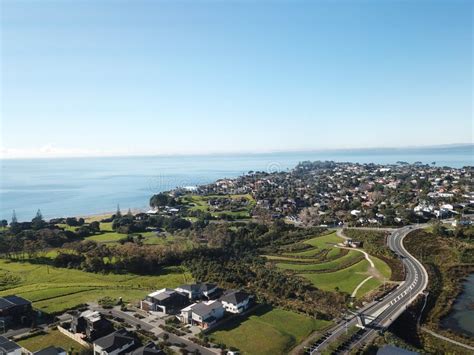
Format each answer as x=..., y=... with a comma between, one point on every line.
x=325, y=258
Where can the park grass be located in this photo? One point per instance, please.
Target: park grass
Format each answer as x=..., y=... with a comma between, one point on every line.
x=52, y=338
x=382, y=267
x=106, y=226
x=352, y=256
x=108, y=237
x=54, y=290
x=200, y=202
x=345, y=280
x=324, y=242
x=368, y=286
x=267, y=331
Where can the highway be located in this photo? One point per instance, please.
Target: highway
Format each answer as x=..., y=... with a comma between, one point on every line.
x=380, y=314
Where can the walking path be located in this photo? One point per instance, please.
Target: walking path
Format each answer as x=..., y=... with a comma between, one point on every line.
x=447, y=339
x=354, y=293
x=372, y=270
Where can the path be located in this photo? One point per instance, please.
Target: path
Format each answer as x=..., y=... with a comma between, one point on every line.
x=354, y=293
x=372, y=270
x=447, y=339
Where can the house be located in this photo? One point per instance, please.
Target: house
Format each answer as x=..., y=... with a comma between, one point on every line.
x=51, y=350
x=114, y=343
x=91, y=324
x=236, y=301
x=197, y=291
x=8, y=347
x=352, y=243
x=14, y=309
x=148, y=349
x=165, y=300
x=204, y=314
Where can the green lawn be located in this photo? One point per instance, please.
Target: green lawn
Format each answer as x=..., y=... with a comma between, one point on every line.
x=267, y=331
x=352, y=256
x=346, y=279
x=200, y=202
x=325, y=242
x=108, y=237
x=54, y=290
x=53, y=338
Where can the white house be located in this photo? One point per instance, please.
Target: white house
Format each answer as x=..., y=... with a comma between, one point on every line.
x=236, y=301
x=114, y=343
x=204, y=314
x=355, y=212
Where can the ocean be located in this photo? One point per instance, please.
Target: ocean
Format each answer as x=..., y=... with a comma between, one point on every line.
x=83, y=186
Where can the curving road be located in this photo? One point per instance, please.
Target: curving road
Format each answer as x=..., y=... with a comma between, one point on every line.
x=380, y=314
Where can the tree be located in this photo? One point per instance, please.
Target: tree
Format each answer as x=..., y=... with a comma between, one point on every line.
x=14, y=219
x=4, y=223
x=94, y=226
x=118, y=214
x=37, y=222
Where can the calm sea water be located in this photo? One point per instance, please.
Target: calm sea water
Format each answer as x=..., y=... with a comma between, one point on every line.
x=461, y=318
x=84, y=186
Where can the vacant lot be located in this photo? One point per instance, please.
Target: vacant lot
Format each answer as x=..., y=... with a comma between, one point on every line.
x=53, y=338
x=267, y=331
x=54, y=290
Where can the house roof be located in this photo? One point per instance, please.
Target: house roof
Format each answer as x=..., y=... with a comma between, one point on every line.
x=115, y=340
x=235, y=297
x=148, y=349
x=199, y=287
x=7, y=345
x=204, y=308
x=12, y=300
x=50, y=350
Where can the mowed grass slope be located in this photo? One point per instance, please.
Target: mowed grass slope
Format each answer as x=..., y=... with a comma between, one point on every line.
x=54, y=290
x=334, y=264
x=267, y=331
x=331, y=268
x=345, y=280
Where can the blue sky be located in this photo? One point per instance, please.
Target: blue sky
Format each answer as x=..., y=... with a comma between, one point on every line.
x=143, y=77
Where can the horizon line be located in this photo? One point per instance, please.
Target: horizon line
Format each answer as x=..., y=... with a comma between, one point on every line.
x=243, y=152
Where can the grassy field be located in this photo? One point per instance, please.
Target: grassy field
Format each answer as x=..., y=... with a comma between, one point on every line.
x=54, y=290
x=199, y=202
x=329, y=265
x=53, y=338
x=330, y=268
x=346, y=279
x=325, y=242
x=267, y=331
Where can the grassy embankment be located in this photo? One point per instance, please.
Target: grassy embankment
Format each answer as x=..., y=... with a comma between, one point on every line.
x=267, y=331
x=54, y=290
x=330, y=268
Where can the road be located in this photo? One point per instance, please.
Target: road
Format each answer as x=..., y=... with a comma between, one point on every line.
x=379, y=315
x=174, y=339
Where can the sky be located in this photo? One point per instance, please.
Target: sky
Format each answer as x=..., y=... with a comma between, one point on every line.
x=108, y=77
